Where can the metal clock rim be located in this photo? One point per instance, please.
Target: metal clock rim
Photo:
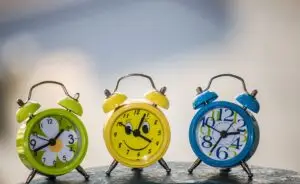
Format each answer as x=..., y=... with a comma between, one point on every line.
x=231, y=162
x=140, y=105
x=79, y=158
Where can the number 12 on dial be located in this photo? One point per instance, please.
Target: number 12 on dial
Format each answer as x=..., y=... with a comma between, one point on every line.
x=223, y=134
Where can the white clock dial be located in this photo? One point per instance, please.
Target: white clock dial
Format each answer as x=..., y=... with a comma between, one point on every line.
x=222, y=134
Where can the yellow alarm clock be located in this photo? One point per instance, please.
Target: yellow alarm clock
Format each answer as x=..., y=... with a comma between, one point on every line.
x=137, y=133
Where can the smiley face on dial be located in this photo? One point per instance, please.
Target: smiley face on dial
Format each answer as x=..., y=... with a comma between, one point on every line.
x=137, y=134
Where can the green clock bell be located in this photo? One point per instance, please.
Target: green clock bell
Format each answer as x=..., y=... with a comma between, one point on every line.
x=54, y=141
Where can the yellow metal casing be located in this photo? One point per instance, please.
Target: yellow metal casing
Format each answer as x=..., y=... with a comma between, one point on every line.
x=158, y=98
x=113, y=102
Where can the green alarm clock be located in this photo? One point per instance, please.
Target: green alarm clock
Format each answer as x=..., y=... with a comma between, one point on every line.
x=54, y=141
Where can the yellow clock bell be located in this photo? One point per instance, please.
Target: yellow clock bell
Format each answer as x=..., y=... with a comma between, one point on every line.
x=137, y=133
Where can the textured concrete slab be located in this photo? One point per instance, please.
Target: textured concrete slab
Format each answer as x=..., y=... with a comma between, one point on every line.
x=155, y=174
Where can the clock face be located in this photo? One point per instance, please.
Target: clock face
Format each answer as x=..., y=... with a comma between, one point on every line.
x=54, y=141
x=221, y=134
x=137, y=134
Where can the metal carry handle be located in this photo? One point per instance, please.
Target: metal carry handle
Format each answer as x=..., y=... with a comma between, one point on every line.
x=135, y=74
x=227, y=75
x=76, y=96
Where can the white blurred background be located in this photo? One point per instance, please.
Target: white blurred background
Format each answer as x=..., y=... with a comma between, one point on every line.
x=87, y=45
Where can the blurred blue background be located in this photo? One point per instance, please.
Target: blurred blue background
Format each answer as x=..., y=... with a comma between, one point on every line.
x=87, y=45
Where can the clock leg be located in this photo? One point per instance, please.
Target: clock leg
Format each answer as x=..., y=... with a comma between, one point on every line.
x=164, y=164
x=195, y=164
x=247, y=169
x=83, y=173
x=225, y=170
x=111, y=167
x=137, y=169
x=31, y=176
x=51, y=178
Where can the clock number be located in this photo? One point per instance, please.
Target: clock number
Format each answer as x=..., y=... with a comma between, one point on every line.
x=209, y=121
x=44, y=159
x=120, y=145
x=221, y=154
x=138, y=154
x=157, y=143
x=49, y=120
x=155, y=122
x=71, y=149
x=236, y=143
x=230, y=116
x=33, y=143
x=125, y=115
x=207, y=141
x=242, y=127
x=137, y=112
x=127, y=151
x=64, y=158
x=219, y=115
x=159, y=132
x=115, y=134
x=149, y=151
x=71, y=137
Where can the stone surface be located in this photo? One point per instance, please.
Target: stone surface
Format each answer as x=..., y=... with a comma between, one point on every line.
x=156, y=174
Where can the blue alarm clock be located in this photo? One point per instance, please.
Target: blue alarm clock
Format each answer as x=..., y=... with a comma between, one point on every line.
x=224, y=134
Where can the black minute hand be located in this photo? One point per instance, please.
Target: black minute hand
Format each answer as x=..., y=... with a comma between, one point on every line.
x=221, y=137
x=62, y=130
x=141, y=122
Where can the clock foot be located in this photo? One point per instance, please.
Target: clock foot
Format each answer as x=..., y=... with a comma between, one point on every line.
x=164, y=164
x=31, y=176
x=195, y=164
x=83, y=173
x=137, y=169
x=225, y=170
x=51, y=178
x=247, y=169
x=111, y=167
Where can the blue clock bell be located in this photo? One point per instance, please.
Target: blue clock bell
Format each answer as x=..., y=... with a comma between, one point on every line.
x=223, y=134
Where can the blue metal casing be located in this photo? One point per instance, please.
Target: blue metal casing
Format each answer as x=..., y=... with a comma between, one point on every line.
x=249, y=102
x=250, y=147
x=204, y=98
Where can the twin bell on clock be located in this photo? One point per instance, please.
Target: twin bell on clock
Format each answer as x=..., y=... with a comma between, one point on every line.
x=53, y=142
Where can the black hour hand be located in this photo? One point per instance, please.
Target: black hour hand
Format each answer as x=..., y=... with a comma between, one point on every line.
x=145, y=138
x=233, y=133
